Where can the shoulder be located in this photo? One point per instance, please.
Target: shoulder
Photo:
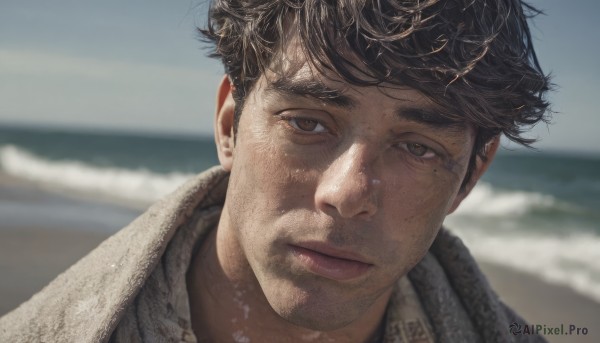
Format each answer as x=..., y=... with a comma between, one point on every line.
x=86, y=302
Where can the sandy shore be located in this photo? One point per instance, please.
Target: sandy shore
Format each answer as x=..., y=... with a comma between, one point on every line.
x=543, y=303
x=36, y=244
x=32, y=257
x=43, y=231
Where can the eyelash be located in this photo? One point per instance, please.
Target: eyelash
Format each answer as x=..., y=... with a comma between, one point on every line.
x=293, y=122
x=428, y=155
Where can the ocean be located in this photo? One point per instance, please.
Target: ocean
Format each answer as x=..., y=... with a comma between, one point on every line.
x=533, y=212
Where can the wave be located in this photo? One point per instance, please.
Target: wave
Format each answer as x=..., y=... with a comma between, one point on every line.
x=486, y=200
x=567, y=260
x=139, y=185
x=144, y=185
x=531, y=232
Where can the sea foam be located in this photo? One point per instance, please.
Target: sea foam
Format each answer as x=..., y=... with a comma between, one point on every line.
x=139, y=185
x=496, y=226
x=570, y=260
x=485, y=200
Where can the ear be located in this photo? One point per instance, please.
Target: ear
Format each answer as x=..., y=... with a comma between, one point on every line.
x=480, y=167
x=224, y=124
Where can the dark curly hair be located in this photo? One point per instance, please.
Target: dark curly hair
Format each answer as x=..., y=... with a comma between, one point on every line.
x=474, y=58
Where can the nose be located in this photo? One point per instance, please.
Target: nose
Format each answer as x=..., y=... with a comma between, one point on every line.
x=349, y=185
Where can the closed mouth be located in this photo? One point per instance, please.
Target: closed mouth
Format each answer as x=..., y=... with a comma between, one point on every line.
x=330, y=263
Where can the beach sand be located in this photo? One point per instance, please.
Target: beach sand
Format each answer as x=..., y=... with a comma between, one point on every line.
x=542, y=303
x=43, y=231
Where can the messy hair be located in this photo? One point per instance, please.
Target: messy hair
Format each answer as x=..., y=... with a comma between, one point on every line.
x=473, y=58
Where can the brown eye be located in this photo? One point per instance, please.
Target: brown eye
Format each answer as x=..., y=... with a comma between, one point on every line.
x=307, y=125
x=417, y=149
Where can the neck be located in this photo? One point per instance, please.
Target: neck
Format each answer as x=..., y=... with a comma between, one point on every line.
x=227, y=302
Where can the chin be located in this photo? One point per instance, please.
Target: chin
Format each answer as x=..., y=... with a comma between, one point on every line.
x=317, y=310
x=317, y=319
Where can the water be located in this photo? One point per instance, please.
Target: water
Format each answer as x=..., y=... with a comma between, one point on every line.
x=131, y=167
x=532, y=212
x=537, y=213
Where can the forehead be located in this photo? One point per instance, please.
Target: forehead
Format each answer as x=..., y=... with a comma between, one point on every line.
x=291, y=64
x=293, y=72
x=296, y=77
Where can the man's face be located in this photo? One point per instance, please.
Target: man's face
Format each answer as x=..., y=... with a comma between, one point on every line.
x=337, y=191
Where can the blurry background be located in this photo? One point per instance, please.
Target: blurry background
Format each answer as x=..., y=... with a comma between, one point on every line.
x=135, y=65
x=107, y=105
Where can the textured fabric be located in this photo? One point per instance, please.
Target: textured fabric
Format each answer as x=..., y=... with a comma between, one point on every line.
x=132, y=287
x=406, y=320
x=87, y=301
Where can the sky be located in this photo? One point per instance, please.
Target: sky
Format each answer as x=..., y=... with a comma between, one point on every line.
x=137, y=65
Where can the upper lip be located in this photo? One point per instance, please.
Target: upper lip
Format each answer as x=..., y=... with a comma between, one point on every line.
x=330, y=250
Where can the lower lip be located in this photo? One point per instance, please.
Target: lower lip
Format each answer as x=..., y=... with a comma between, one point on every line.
x=334, y=268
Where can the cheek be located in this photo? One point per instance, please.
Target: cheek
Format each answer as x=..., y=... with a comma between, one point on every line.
x=413, y=213
x=268, y=180
x=423, y=196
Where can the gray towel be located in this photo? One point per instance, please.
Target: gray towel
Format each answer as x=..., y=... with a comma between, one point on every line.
x=132, y=288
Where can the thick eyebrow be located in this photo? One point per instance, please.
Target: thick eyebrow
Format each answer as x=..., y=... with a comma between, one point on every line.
x=310, y=88
x=301, y=87
x=430, y=118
